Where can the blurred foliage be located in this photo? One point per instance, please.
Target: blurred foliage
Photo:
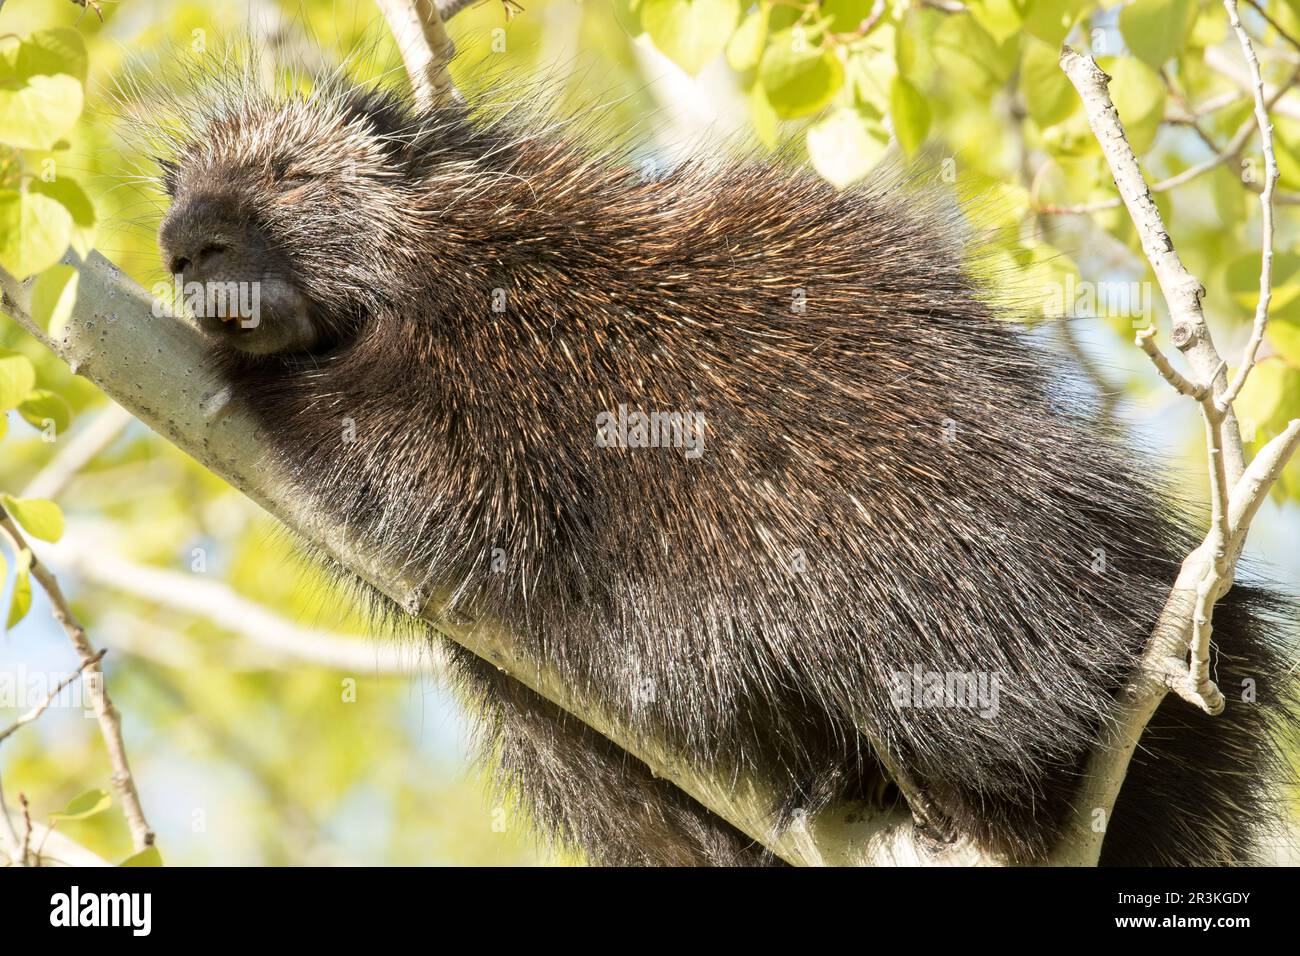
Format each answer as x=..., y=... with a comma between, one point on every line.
x=243, y=762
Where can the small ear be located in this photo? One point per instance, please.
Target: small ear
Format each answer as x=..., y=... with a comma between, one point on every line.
x=167, y=173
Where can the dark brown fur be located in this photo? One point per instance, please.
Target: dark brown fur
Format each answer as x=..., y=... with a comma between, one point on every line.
x=892, y=478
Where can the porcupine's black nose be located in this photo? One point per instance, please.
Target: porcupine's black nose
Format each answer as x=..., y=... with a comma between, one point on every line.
x=199, y=236
x=202, y=263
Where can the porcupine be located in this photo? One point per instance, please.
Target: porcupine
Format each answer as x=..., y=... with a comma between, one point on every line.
x=892, y=479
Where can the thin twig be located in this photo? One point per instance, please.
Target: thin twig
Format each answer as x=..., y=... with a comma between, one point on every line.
x=1259, y=8
x=1266, y=213
x=1191, y=115
x=1234, y=148
x=875, y=15
x=1201, y=690
x=26, y=852
x=12, y=840
x=1236, y=493
x=1218, y=60
x=49, y=698
x=78, y=453
x=110, y=722
x=1182, y=291
x=1146, y=340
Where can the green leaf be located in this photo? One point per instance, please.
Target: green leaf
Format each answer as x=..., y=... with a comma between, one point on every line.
x=782, y=16
x=149, y=856
x=968, y=54
x=846, y=145
x=46, y=52
x=1139, y=95
x=1229, y=197
x=85, y=805
x=1051, y=20
x=846, y=15
x=1285, y=337
x=17, y=379
x=690, y=32
x=44, y=406
x=37, y=113
x=746, y=45
x=1264, y=392
x=39, y=517
x=34, y=232
x=1241, y=278
x=1156, y=30
x=1001, y=18
x=54, y=295
x=1049, y=97
x=909, y=113
x=869, y=75
x=69, y=194
x=1286, y=143
x=798, y=77
x=21, y=600
x=1211, y=27
x=764, y=117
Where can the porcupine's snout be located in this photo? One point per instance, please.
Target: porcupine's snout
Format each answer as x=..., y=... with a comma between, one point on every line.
x=228, y=278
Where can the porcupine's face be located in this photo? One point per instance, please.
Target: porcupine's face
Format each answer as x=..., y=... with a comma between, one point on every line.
x=277, y=212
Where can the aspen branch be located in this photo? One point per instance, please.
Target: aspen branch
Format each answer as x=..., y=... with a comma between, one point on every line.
x=110, y=723
x=1181, y=290
x=417, y=26
x=77, y=453
x=52, y=847
x=1183, y=628
x=225, y=608
x=56, y=849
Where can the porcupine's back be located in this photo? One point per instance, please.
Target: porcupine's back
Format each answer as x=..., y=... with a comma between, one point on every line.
x=891, y=482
